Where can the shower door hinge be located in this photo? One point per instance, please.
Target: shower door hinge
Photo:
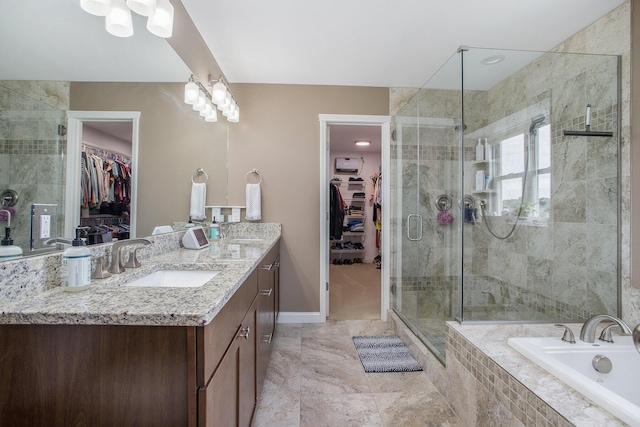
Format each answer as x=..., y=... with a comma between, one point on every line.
x=62, y=130
x=327, y=285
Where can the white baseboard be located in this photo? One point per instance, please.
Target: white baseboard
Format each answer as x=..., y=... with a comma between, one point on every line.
x=300, y=317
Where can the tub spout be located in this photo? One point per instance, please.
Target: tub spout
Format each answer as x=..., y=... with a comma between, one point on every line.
x=588, y=331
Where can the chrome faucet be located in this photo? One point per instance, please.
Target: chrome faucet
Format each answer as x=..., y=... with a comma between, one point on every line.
x=117, y=265
x=588, y=331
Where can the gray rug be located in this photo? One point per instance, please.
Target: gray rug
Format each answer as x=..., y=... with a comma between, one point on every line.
x=385, y=354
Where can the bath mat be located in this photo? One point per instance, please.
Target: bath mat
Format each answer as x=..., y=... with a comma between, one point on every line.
x=385, y=354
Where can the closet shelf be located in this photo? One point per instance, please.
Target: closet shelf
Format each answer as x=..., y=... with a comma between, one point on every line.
x=347, y=251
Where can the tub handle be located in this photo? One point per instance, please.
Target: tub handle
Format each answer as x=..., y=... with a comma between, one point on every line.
x=567, y=336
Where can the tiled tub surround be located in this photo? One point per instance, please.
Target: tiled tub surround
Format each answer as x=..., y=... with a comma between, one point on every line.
x=30, y=291
x=489, y=383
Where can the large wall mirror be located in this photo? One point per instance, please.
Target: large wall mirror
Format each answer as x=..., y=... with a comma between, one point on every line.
x=59, y=61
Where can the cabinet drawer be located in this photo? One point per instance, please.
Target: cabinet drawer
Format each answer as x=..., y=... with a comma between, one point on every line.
x=214, y=339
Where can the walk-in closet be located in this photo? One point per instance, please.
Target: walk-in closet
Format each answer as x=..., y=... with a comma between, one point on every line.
x=106, y=181
x=355, y=200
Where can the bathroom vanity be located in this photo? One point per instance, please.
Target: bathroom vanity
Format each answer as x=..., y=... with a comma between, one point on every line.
x=123, y=355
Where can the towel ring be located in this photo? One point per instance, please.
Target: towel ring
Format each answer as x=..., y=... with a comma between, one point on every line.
x=199, y=172
x=253, y=172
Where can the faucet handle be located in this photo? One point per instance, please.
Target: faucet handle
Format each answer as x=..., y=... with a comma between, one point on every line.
x=567, y=336
x=605, y=335
x=100, y=272
x=133, y=259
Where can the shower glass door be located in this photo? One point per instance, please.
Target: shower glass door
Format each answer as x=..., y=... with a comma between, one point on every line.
x=427, y=208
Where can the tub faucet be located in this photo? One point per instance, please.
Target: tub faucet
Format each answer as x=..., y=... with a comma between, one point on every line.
x=117, y=265
x=588, y=331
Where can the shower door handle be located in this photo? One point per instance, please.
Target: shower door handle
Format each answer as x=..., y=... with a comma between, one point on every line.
x=419, y=237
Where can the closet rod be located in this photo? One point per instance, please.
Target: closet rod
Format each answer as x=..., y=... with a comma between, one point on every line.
x=105, y=150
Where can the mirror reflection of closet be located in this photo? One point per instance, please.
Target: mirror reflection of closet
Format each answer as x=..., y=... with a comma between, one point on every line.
x=106, y=180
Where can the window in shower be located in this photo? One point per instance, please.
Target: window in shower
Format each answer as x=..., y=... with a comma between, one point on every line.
x=512, y=169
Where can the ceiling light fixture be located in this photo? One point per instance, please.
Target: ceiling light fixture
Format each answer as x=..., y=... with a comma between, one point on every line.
x=205, y=100
x=363, y=143
x=118, y=19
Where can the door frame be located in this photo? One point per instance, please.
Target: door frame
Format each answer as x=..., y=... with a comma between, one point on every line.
x=75, y=121
x=385, y=128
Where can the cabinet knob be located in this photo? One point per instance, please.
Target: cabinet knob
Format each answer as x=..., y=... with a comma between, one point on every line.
x=267, y=338
x=266, y=267
x=266, y=292
x=244, y=333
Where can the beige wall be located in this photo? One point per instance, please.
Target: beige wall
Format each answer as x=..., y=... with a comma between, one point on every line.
x=279, y=134
x=173, y=142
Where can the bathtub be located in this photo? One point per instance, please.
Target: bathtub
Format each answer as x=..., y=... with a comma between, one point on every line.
x=617, y=392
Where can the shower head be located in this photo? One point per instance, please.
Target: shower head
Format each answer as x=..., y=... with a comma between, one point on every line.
x=535, y=122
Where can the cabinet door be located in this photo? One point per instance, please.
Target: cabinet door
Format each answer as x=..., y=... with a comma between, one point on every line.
x=229, y=398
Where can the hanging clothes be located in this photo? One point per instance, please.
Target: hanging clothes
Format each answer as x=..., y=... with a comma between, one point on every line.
x=336, y=212
x=105, y=178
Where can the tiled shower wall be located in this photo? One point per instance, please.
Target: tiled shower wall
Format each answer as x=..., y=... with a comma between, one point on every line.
x=32, y=154
x=564, y=269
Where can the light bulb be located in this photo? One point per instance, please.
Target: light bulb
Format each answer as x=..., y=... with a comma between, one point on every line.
x=212, y=116
x=161, y=22
x=96, y=7
x=219, y=92
x=235, y=117
x=142, y=7
x=202, y=102
x=191, y=92
x=207, y=109
x=118, y=21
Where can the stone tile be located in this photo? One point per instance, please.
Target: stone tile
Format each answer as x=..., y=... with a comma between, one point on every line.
x=334, y=378
x=417, y=409
x=352, y=410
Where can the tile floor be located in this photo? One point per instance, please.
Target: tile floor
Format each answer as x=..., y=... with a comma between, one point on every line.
x=315, y=378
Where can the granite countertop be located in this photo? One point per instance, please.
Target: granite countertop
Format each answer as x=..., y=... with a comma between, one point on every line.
x=491, y=339
x=107, y=302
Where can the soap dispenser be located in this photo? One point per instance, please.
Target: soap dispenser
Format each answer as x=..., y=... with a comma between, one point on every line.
x=214, y=230
x=7, y=249
x=76, y=265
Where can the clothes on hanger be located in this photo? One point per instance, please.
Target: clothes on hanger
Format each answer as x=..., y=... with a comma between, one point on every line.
x=337, y=207
x=105, y=178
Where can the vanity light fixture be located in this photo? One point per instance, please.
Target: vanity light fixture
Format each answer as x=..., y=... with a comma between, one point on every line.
x=363, y=143
x=207, y=101
x=118, y=19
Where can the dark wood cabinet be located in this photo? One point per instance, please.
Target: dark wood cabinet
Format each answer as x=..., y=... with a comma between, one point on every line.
x=229, y=399
x=268, y=292
x=103, y=375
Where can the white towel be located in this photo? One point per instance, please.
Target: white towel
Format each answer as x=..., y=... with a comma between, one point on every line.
x=198, y=197
x=254, y=211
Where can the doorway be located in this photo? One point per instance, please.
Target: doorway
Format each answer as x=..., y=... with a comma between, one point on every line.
x=354, y=280
x=81, y=124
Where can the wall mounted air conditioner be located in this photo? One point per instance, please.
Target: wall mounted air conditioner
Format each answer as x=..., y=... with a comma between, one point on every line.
x=347, y=164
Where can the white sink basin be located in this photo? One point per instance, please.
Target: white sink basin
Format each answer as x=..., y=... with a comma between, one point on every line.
x=175, y=279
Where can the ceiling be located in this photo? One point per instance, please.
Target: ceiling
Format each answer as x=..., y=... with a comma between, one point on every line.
x=333, y=42
x=375, y=42
x=57, y=40
x=343, y=138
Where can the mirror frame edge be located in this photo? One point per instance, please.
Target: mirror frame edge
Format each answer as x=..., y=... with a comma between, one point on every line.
x=75, y=121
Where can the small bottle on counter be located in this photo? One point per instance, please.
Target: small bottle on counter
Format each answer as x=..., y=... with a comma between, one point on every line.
x=214, y=230
x=76, y=265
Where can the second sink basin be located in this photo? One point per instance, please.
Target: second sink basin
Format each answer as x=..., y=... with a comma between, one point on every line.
x=175, y=279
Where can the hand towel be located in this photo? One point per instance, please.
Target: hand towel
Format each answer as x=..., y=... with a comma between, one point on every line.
x=253, y=210
x=198, y=197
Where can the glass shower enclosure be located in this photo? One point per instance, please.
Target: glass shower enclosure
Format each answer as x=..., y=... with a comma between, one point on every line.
x=505, y=183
